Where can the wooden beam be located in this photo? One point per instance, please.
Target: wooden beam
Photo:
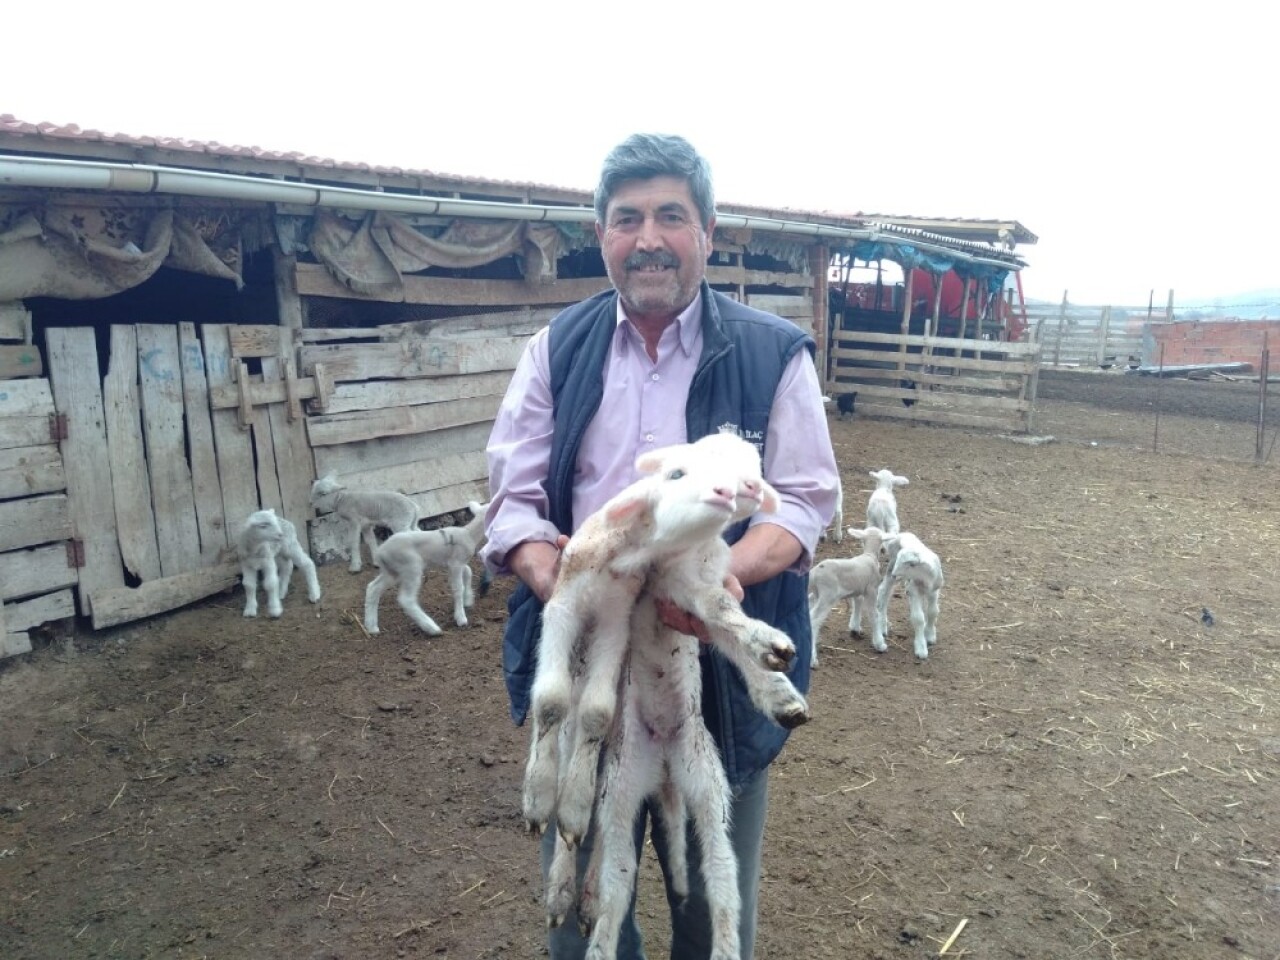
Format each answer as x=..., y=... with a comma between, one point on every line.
x=415, y=358
x=25, y=471
x=289, y=304
x=34, y=520
x=122, y=604
x=25, y=614
x=25, y=573
x=397, y=421
x=15, y=321
x=378, y=394
x=1011, y=347
x=254, y=340
x=25, y=398
x=211, y=520
x=77, y=393
x=172, y=492
x=233, y=446
x=135, y=519
x=20, y=361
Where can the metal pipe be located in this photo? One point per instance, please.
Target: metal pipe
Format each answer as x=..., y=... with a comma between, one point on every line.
x=57, y=173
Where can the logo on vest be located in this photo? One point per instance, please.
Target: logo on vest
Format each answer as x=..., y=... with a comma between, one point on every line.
x=754, y=437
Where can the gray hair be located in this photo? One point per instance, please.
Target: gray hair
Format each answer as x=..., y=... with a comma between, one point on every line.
x=643, y=156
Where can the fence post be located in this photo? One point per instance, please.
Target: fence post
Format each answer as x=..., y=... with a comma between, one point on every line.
x=1062, y=320
x=1103, y=327
x=1264, y=371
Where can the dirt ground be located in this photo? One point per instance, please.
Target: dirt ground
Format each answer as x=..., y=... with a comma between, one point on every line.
x=1085, y=767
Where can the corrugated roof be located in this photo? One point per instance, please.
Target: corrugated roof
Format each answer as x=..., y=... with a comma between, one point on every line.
x=78, y=141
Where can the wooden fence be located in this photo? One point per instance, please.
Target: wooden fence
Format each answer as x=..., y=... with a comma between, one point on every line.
x=1071, y=335
x=973, y=383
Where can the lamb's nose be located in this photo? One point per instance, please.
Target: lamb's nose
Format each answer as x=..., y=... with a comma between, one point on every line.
x=724, y=493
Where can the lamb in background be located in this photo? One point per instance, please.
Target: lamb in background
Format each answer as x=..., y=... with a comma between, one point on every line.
x=662, y=536
x=405, y=558
x=857, y=578
x=268, y=545
x=363, y=510
x=882, y=507
x=920, y=569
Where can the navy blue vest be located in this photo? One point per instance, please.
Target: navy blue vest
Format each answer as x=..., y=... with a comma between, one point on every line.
x=744, y=354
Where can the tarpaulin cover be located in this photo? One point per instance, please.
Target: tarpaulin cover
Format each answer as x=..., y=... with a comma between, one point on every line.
x=372, y=256
x=89, y=251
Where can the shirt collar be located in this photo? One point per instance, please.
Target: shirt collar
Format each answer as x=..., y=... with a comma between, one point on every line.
x=688, y=323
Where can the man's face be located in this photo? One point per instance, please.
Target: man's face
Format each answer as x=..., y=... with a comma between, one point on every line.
x=654, y=246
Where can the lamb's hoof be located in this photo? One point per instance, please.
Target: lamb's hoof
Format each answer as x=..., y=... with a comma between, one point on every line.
x=250, y=613
x=535, y=827
x=554, y=920
x=795, y=715
x=461, y=621
x=372, y=631
x=275, y=614
x=585, y=925
x=354, y=569
x=571, y=839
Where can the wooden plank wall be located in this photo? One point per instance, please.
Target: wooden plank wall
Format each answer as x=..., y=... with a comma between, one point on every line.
x=36, y=569
x=1088, y=337
x=971, y=383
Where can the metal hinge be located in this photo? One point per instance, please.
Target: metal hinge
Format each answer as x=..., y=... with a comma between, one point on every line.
x=75, y=553
x=58, y=427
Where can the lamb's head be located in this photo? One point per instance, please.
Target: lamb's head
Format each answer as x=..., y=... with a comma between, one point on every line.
x=887, y=479
x=695, y=490
x=872, y=539
x=263, y=525
x=322, y=492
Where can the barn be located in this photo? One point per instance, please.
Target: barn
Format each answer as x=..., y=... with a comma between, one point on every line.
x=192, y=331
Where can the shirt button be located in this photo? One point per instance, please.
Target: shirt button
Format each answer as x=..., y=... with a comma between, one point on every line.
x=655, y=377
x=648, y=437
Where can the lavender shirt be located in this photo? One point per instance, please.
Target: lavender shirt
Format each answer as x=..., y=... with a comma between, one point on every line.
x=643, y=408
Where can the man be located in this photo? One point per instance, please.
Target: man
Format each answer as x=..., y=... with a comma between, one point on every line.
x=662, y=359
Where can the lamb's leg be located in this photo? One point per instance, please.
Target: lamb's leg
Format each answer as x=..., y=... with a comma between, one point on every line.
x=931, y=617
x=550, y=698
x=856, y=603
x=607, y=896
x=460, y=585
x=308, y=568
x=271, y=586
x=819, y=607
x=407, y=596
x=701, y=779
x=674, y=822
x=250, y=577
x=371, y=541
x=284, y=572
x=353, y=545
x=594, y=715
x=916, y=602
x=730, y=626
x=372, y=594
x=880, y=618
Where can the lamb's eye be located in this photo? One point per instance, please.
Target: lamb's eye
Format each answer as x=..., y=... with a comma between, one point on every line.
x=675, y=474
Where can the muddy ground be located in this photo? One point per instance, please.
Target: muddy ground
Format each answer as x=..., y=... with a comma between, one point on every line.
x=1084, y=768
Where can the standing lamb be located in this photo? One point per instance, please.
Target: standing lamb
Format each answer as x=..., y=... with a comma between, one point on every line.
x=662, y=536
x=363, y=510
x=406, y=557
x=882, y=507
x=268, y=545
x=920, y=569
x=855, y=577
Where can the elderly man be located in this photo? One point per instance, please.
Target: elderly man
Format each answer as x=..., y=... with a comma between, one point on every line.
x=663, y=359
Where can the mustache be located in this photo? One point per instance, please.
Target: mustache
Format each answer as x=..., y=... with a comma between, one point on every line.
x=658, y=258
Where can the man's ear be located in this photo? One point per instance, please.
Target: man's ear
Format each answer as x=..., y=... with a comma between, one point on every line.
x=600, y=233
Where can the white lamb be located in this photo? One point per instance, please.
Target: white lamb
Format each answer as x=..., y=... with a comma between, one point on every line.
x=661, y=535
x=920, y=569
x=882, y=507
x=854, y=577
x=406, y=557
x=363, y=510
x=268, y=545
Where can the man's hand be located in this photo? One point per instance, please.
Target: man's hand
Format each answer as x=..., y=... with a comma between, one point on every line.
x=537, y=563
x=682, y=621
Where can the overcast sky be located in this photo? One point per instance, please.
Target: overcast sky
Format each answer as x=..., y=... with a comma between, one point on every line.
x=1135, y=139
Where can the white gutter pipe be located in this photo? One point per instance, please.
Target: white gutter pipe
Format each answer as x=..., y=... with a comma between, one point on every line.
x=60, y=174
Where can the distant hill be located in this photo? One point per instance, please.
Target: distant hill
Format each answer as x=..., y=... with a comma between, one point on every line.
x=1258, y=304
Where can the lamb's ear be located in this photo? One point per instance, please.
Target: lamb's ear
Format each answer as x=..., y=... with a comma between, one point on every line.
x=770, y=501
x=625, y=507
x=888, y=541
x=855, y=532
x=652, y=461
x=900, y=481
x=475, y=507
